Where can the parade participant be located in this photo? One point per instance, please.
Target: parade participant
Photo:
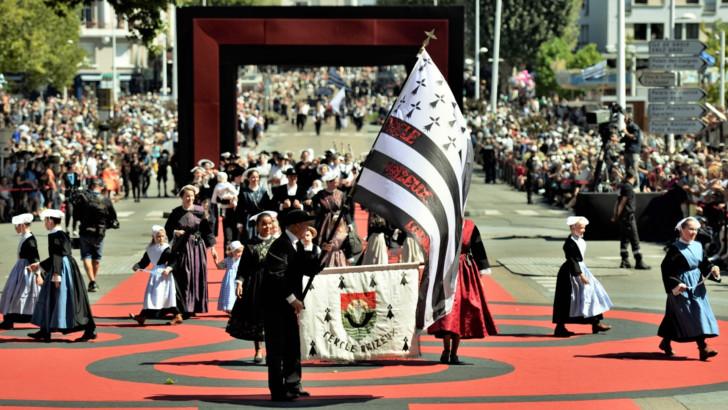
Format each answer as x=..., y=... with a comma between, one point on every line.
x=97, y=214
x=162, y=164
x=289, y=195
x=63, y=302
x=285, y=266
x=192, y=235
x=22, y=287
x=160, y=297
x=252, y=200
x=624, y=213
x=71, y=183
x=470, y=317
x=327, y=204
x=225, y=197
x=376, y=252
x=688, y=315
x=246, y=319
x=226, y=299
x=579, y=297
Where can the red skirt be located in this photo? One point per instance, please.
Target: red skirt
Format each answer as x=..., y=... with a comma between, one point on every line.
x=470, y=317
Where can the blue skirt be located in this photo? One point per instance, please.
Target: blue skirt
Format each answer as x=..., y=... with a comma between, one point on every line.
x=21, y=292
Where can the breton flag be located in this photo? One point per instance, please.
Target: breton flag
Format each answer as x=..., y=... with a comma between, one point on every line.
x=337, y=100
x=417, y=176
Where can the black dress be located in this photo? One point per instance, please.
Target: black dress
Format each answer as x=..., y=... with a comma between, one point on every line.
x=562, y=296
x=66, y=308
x=246, y=319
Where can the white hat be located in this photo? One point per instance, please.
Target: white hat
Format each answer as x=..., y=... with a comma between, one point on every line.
x=330, y=176
x=235, y=245
x=682, y=221
x=157, y=228
x=52, y=213
x=225, y=155
x=195, y=169
x=22, y=219
x=273, y=214
x=204, y=161
x=577, y=220
x=249, y=170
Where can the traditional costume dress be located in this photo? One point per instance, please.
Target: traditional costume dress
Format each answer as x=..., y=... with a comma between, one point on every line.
x=227, y=297
x=688, y=315
x=469, y=317
x=21, y=291
x=575, y=302
x=326, y=207
x=246, y=318
x=189, y=253
x=64, y=308
x=251, y=203
x=160, y=296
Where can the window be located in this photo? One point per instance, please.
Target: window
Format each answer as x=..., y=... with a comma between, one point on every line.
x=585, y=8
x=686, y=2
x=692, y=31
x=87, y=16
x=638, y=31
x=657, y=31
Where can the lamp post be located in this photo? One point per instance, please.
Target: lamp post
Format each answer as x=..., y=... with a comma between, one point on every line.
x=496, y=58
x=477, y=50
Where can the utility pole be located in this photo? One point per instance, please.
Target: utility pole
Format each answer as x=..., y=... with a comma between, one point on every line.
x=496, y=58
x=476, y=54
x=722, y=70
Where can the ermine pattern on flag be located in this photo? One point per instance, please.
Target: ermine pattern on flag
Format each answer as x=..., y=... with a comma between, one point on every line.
x=418, y=175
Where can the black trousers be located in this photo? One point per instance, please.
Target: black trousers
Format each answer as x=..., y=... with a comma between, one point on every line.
x=283, y=354
x=628, y=235
x=229, y=224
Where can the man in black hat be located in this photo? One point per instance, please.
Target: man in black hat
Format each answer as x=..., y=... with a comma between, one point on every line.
x=96, y=214
x=290, y=194
x=285, y=265
x=624, y=214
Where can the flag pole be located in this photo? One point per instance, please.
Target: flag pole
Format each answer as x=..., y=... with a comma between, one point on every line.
x=429, y=35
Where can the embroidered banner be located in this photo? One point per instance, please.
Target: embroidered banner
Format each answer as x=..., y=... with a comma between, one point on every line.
x=361, y=313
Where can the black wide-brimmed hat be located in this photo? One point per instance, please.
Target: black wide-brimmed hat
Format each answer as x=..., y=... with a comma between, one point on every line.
x=290, y=172
x=294, y=216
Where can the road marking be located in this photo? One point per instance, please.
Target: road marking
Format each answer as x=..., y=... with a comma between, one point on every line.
x=156, y=214
x=547, y=282
x=526, y=212
x=557, y=211
x=124, y=214
x=492, y=212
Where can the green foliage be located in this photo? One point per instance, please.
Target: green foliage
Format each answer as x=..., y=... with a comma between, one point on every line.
x=36, y=41
x=554, y=55
x=712, y=41
x=144, y=16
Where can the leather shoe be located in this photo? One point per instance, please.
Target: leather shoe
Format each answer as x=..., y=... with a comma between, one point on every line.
x=87, y=336
x=286, y=396
x=707, y=353
x=139, y=319
x=258, y=358
x=600, y=327
x=40, y=335
x=445, y=357
x=177, y=320
x=301, y=393
x=454, y=359
x=641, y=266
x=666, y=347
x=625, y=264
x=6, y=325
x=562, y=331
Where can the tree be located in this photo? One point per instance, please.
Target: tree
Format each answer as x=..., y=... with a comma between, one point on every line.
x=39, y=43
x=145, y=16
x=556, y=54
x=712, y=41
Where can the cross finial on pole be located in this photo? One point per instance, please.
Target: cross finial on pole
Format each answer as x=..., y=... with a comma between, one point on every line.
x=430, y=35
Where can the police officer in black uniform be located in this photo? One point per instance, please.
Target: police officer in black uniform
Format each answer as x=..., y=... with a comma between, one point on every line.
x=624, y=214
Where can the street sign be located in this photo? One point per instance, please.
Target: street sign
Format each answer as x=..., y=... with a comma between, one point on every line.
x=680, y=95
x=689, y=47
x=657, y=79
x=661, y=126
x=677, y=111
x=676, y=63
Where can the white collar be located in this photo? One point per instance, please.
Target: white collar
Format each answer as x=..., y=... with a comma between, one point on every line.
x=684, y=241
x=55, y=229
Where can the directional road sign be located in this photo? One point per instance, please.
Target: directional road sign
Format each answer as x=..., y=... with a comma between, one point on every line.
x=688, y=47
x=676, y=63
x=680, y=95
x=661, y=126
x=657, y=79
x=676, y=111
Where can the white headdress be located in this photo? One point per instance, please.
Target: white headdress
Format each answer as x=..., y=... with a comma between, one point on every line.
x=235, y=245
x=682, y=221
x=52, y=213
x=157, y=228
x=572, y=220
x=22, y=219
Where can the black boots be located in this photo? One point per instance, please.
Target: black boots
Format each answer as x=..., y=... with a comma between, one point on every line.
x=625, y=264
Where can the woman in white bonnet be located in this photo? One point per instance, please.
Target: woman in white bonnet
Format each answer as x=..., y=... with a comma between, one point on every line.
x=688, y=315
x=160, y=296
x=22, y=287
x=579, y=297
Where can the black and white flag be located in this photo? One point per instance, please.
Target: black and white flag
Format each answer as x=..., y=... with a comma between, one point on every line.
x=417, y=176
